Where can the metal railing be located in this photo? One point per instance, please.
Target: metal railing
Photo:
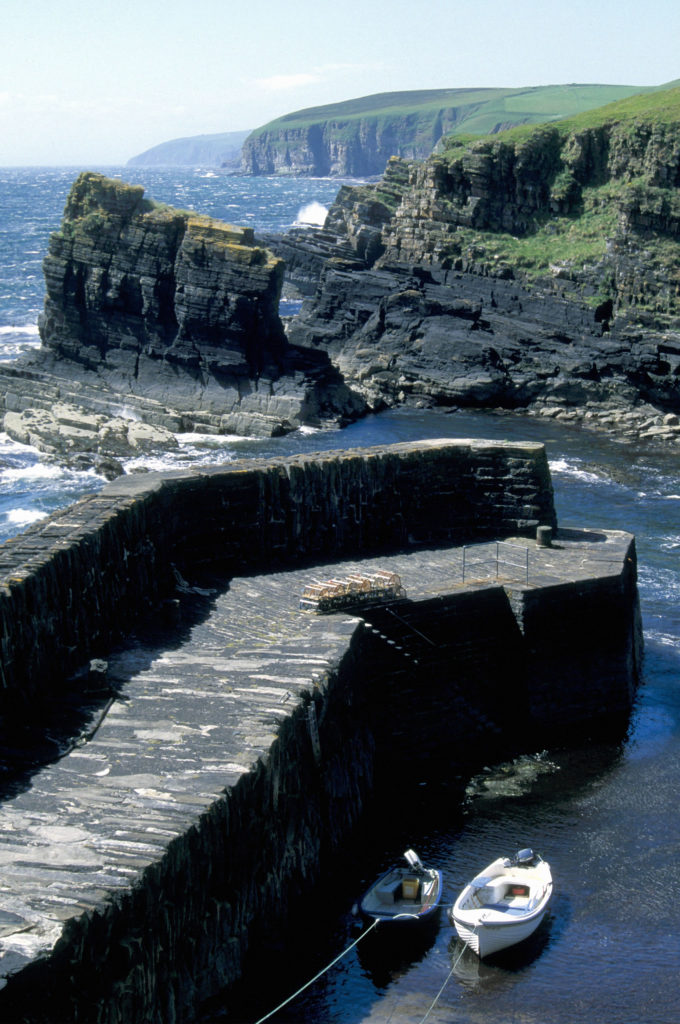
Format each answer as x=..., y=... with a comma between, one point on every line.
x=484, y=564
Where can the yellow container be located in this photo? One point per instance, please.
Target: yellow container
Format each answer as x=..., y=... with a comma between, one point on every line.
x=409, y=888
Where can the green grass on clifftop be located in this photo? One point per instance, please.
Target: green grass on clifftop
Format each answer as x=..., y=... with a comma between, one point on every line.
x=650, y=107
x=634, y=168
x=479, y=110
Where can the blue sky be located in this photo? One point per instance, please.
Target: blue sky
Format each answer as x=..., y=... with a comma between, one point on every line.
x=94, y=83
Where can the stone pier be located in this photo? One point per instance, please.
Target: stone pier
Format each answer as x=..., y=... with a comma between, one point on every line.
x=232, y=741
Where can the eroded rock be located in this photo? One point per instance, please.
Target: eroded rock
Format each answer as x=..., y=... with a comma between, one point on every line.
x=159, y=320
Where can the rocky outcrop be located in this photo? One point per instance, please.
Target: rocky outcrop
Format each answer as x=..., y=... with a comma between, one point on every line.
x=418, y=306
x=513, y=186
x=127, y=279
x=166, y=318
x=454, y=338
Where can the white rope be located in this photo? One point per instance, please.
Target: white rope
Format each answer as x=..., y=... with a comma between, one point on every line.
x=317, y=976
x=436, y=998
x=446, y=981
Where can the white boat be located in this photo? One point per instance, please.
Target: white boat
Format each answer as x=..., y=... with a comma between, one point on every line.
x=409, y=892
x=504, y=904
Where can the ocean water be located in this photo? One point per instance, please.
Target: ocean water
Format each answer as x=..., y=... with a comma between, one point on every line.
x=604, y=814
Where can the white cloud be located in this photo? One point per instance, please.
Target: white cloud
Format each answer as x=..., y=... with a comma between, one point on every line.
x=317, y=75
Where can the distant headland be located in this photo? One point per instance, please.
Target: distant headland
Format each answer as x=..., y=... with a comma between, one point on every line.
x=357, y=137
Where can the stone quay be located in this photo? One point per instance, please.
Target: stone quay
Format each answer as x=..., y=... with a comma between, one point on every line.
x=212, y=744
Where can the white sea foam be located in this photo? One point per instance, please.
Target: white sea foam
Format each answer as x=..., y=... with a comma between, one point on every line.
x=664, y=639
x=8, y=446
x=16, y=340
x=567, y=468
x=124, y=412
x=216, y=440
x=312, y=214
x=151, y=464
x=24, y=474
x=25, y=516
x=27, y=330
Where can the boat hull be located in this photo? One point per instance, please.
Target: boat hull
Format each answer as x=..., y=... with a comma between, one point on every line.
x=503, y=905
x=489, y=939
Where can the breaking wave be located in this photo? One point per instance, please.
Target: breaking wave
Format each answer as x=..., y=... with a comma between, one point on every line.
x=312, y=215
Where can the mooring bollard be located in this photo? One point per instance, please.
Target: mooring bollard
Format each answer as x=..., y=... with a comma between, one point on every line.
x=544, y=536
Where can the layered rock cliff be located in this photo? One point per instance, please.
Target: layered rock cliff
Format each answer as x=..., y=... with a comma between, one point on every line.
x=357, y=137
x=336, y=148
x=535, y=271
x=166, y=317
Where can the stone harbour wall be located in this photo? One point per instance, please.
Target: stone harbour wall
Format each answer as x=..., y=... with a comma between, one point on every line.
x=245, y=743
x=150, y=951
x=73, y=583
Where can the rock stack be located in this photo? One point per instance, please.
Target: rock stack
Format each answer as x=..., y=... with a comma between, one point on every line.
x=165, y=318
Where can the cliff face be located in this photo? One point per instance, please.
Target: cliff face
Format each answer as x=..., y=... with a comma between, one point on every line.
x=126, y=279
x=357, y=137
x=498, y=186
x=339, y=148
x=173, y=316
x=353, y=146
x=537, y=274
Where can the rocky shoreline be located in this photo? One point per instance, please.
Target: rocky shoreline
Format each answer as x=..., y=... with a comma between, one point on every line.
x=158, y=321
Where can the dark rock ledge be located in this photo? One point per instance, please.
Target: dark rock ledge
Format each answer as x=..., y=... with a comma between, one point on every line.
x=410, y=315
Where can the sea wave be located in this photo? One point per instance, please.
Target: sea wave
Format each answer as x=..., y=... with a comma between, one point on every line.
x=37, y=471
x=214, y=440
x=15, y=340
x=656, y=636
x=25, y=516
x=312, y=214
x=566, y=467
x=27, y=330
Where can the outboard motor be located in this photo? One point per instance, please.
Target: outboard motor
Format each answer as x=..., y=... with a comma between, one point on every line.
x=414, y=862
x=525, y=858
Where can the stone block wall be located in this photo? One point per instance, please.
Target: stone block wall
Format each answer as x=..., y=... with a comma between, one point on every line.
x=584, y=649
x=151, y=952
x=72, y=584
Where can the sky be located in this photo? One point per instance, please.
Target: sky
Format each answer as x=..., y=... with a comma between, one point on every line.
x=95, y=83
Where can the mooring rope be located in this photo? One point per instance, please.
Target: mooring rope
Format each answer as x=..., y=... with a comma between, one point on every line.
x=446, y=981
x=318, y=975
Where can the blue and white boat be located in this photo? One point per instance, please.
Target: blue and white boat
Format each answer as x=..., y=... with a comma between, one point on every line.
x=408, y=892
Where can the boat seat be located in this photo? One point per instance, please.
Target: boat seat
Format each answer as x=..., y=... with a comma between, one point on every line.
x=518, y=904
x=389, y=893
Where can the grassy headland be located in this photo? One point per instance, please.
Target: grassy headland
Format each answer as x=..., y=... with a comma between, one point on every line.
x=475, y=111
x=597, y=189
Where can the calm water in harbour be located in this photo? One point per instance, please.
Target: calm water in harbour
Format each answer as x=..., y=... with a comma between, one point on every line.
x=605, y=816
